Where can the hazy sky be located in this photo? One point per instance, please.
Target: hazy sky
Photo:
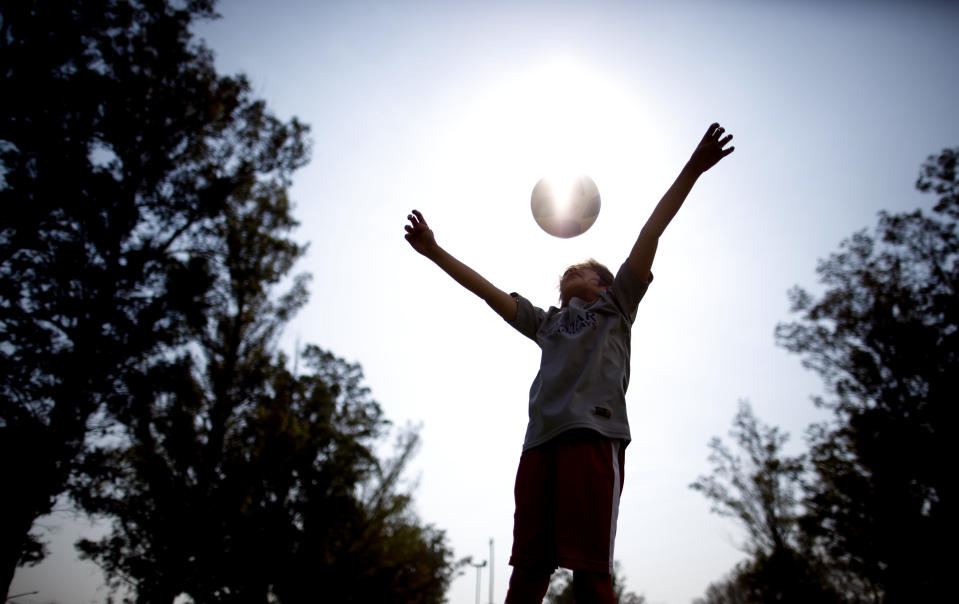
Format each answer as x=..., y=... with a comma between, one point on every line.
x=458, y=108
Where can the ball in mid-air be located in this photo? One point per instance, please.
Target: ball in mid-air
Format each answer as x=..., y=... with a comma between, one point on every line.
x=565, y=209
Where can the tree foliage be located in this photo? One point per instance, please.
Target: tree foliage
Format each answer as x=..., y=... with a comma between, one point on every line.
x=874, y=520
x=138, y=326
x=761, y=488
x=294, y=500
x=883, y=336
x=120, y=147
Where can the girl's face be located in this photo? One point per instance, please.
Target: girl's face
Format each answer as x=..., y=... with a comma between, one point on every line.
x=582, y=283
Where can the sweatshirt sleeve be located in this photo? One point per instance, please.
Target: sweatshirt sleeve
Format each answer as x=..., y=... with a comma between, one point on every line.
x=628, y=289
x=528, y=317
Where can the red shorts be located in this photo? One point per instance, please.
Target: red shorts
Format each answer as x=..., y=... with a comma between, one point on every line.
x=567, y=503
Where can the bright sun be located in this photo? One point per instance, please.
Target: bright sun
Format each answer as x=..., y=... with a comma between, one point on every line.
x=557, y=119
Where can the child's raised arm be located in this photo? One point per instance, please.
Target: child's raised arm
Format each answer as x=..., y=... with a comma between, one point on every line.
x=421, y=237
x=707, y=154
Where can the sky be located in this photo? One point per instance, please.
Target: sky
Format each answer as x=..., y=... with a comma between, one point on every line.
x=458, y=108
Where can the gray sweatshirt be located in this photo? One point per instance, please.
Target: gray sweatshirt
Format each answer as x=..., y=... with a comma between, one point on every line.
x=584, y=369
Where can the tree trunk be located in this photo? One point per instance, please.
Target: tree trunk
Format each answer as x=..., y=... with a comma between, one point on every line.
x=21, y=507
x=31, y=483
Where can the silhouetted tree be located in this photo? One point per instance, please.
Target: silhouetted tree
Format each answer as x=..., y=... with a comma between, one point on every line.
x=731, y=589
x=762, y=491
x=138, y=326
x=884, y=336
x=297, y=504
x=783, y=576
x=235, y=480
x=178, y=449
x=231, y=479
x=120, y=147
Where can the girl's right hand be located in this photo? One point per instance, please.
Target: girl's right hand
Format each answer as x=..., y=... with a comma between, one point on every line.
x=419, y=234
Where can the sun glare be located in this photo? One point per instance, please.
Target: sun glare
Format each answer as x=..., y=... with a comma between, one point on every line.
x=552, y=113
x=557, y=119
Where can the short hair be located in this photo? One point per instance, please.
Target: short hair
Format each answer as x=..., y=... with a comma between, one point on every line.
x=605, y=276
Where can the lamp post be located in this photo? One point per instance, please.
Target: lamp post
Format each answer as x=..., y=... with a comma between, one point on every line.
x=491, y=570
x=478, y=567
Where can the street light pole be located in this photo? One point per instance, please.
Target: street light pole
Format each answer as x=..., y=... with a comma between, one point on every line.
x=491, y=573
x=478, y=568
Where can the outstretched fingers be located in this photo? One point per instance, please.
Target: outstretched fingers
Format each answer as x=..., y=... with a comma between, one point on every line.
x=725, y=141
x=715, y=136
x=417, y=218
x=713, y=147
x=710, y=132
x=418, y=233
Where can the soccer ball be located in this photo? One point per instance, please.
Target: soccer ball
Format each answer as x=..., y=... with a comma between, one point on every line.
x=565, y=210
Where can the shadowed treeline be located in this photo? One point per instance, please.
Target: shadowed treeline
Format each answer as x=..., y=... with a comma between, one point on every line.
x=868, y=513
x=139, y=315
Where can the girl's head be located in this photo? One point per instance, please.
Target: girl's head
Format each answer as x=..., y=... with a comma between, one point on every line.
x=586, y=280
